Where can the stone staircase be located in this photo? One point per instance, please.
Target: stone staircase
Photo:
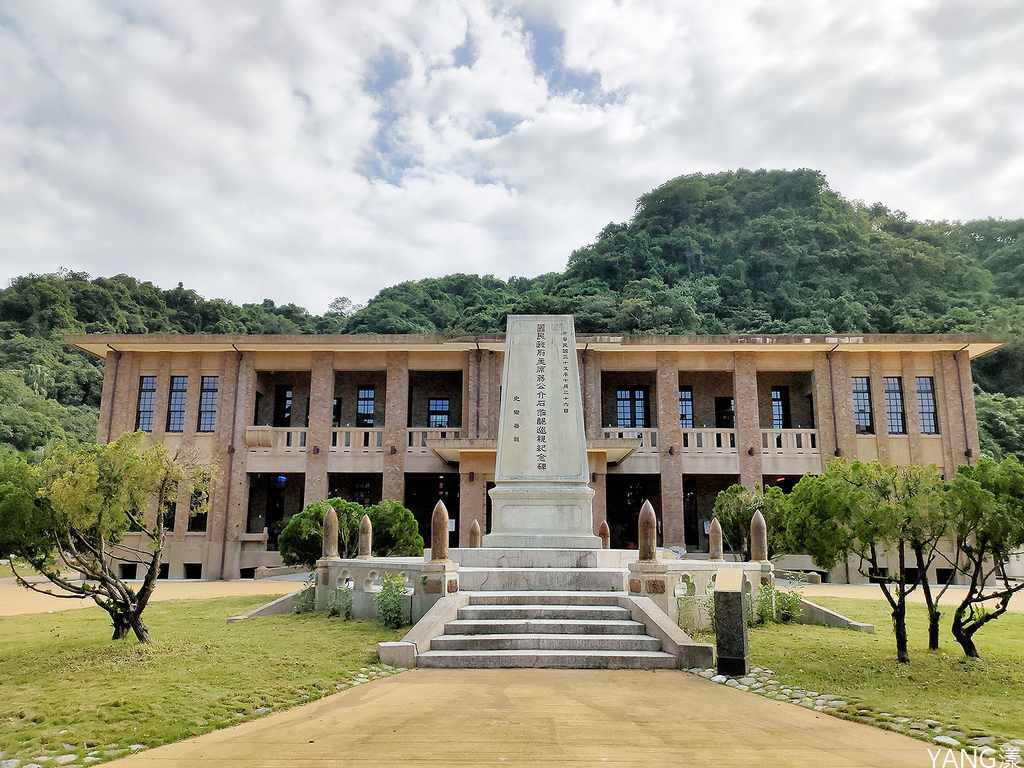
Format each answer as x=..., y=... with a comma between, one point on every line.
x=570, y=629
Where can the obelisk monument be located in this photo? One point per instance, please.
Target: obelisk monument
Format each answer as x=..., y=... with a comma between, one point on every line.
x=541, y=497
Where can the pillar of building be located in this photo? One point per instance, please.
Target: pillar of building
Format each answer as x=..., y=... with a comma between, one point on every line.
x=953, y=409
x=111, y=382
x=495, y=364
x=230, y=504
x=162, y=397
x=878, y=408
x=670, y=443
x=396, y=433
x=590, y=386
x=472, y=504
x=318, y=432
x=942, y=401
x=748, y=424
x=125, y=407
x=825, y=416
x=968, y=413
x=908, y=370
x=480, y=393
x=195, y=382
x=846, y=431
x=599, y=482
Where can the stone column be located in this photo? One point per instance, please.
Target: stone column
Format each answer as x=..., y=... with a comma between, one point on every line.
x=878, y=408
x=825, y=415
x=670, y=442
x=748, y=425
x=968, y=412
x=846, y=435
x=910, y=410
x=163, y=396
x=472, y=504
x=590, y=384
x=731, y=623
x=230, y=505
x=600, y=486
x=126, y=404
x=945, y=414
x=113, y=382
x=396, y=435
x=318, y=432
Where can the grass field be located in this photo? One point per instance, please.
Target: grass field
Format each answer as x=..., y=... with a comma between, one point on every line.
x=979, y=696
x=65, y=682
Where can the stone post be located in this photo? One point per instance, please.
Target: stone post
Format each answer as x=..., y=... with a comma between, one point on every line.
x=439, y=533
x=605, y=534
x=475, y=535
x=731, y=623
x=365, y=538
x=648, y=533
x=715, y=551
x=330, y=533
x=758, y=538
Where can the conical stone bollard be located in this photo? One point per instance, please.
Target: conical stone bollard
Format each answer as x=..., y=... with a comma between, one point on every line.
x=606, y=535
x=330, y=548
x=715, y=551
x=365, y=538
x=758, y=538
x=439, y=534
x=648, y=533
x=475, y=537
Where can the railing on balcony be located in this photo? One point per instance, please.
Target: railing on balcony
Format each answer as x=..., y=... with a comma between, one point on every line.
x=357, y=440
x=418, y=437
x=789, y=442
x=707, y=440
x=648, y=437
x=276, y=439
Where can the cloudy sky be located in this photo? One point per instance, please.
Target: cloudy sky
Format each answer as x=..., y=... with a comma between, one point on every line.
x=307, y=149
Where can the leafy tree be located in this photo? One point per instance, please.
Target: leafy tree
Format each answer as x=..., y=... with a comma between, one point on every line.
x=987, y=503
x=72, y=512
x=865, y=510
x=395, y=531
x=736, y=505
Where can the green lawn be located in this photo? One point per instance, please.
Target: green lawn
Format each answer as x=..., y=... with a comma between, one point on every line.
x=65, y=682
x=980, y=697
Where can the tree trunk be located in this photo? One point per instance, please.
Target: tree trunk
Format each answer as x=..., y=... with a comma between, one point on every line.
x=140, y=629
x=122, y=626
x=933, y=629
x=963, y=636
x=899, y=626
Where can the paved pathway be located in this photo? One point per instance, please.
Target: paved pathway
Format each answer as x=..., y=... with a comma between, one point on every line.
x=541, y=717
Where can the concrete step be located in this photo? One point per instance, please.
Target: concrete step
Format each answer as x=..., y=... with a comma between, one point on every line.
x=543, y=579
x=536, y=597
x=548, y=659
x=549, y=611
x=543, y=626
x=544, y=642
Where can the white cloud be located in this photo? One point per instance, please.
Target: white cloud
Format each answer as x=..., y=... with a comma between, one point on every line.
x=306, y=150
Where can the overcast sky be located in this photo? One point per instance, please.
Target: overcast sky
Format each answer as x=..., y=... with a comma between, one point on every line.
x=301, y=150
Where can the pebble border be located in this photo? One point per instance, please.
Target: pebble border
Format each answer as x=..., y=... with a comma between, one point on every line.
x=81, y=756
x=762, y=682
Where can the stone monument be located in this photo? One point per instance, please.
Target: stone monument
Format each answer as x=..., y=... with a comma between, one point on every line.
x=541, y=496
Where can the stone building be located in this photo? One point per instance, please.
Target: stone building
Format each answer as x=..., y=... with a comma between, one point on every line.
x=294, y=419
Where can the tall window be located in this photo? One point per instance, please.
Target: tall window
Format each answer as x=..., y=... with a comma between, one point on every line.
x=362, y=491
x=364, y=407
x=895, y=414
x=686, y=407
x=780, y=408
x=207, y=404
x=862, y=416
x=176, y=404
x=169, y=506
x=197, y=520
x=631, y=407
x=437, y=412
x=926, y=405
x=147, y=394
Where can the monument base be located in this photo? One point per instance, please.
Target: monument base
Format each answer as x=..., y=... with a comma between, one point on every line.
x=542, y=514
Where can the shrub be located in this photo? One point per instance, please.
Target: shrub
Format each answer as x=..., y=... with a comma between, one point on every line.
x=340, y=603
x=391, y=601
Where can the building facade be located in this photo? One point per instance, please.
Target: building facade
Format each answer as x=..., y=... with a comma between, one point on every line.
x=294, y=419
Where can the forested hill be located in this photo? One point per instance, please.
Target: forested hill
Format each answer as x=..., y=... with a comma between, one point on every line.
x=737, y=252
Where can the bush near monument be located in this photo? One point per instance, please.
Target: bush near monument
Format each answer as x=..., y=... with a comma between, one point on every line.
x=395, y=531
